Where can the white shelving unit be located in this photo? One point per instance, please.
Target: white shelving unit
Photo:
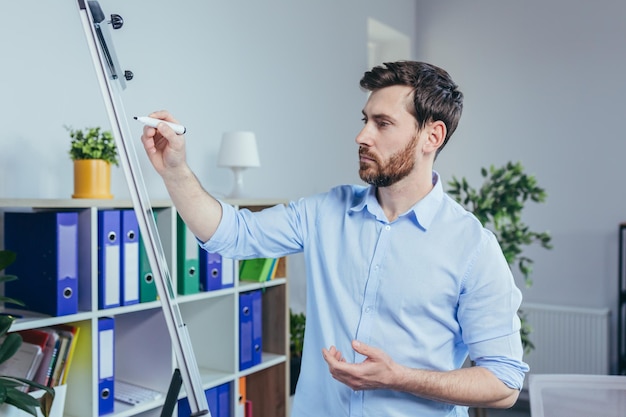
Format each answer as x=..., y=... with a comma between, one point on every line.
x=143, y=350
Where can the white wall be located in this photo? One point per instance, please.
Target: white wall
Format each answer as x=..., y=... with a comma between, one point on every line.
x=544, y=84
x=287, y=70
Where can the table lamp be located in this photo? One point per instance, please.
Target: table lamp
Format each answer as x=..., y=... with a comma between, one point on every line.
x=238, y=152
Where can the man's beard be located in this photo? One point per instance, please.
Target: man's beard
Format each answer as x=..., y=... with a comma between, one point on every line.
x=397, y=167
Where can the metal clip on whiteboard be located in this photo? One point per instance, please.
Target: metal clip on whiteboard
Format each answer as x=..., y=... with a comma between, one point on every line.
x=112, y=81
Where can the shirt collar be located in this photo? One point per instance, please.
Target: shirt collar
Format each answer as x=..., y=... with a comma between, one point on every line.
x=423, y=212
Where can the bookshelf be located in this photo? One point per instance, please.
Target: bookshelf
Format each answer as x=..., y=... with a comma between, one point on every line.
x=143, y=350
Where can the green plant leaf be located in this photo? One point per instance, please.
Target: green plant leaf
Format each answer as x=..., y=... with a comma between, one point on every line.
x=32, y=384
x=11, y=300
x=22, y=400
x=7, y=257
x=92, y=143
x=6, y=321
x=9, y=346
x=11, y=386
x=7, y=278
x=3, y=391
x=297, y=324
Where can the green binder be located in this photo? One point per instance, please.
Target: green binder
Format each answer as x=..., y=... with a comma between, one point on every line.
x=187, y=259
x=147, y=286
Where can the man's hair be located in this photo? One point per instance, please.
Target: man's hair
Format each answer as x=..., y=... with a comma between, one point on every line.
x=435, y=95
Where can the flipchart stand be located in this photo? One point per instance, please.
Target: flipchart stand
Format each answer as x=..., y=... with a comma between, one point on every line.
x=112, y=81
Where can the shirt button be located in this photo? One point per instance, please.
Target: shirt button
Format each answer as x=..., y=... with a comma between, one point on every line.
x=368, y=309
x=387, y=227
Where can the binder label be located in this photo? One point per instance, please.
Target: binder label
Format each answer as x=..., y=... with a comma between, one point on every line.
x=111, y=275
x=106, y=354
x=67, y=240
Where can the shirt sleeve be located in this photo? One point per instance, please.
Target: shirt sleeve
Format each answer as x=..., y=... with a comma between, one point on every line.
x=507, y=369
x=488, y=314
x=220, y=237
x=243, y=234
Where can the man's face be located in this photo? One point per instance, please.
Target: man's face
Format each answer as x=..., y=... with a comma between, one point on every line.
x=388, y=141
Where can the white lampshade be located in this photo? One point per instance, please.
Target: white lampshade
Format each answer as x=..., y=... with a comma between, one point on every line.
x=238, y=149
x=238, y=152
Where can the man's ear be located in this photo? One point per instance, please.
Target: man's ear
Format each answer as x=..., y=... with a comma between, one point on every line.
x=436, y=135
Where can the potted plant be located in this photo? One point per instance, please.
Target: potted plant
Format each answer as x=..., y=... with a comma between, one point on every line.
x=93, y=151
x=10, y=392
x=498, y=205
x=297, y=322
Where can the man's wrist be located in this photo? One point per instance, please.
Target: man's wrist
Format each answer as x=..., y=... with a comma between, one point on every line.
x=178, y=175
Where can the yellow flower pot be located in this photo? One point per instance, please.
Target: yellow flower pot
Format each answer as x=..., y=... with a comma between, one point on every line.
x=92, y=179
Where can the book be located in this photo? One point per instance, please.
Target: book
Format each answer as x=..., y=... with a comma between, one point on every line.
x=60, y=360
x=24, y=363
x=72, y=332
x=258, y=269
x=49, y=356
x=273, y=270
x=57, y=355
x=53, y=361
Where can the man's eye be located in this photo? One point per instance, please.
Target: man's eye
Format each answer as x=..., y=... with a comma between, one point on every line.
x=383, y=123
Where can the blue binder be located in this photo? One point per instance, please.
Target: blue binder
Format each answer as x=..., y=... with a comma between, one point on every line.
x=250, y=329
x=211, y=394
x=109, y=258
x=46, y=245
x=245, y=331
x=106, y=365
x=223, y=401
x=257, y=327
x=129, y=267
x=210, y=271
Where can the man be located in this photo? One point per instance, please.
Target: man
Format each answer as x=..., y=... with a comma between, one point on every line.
x=402, y=282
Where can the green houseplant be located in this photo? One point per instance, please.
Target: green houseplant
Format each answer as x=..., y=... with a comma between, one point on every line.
x=10, y=392
x=93, y=143
x=498, y=205
x=297, y=323
x=93, y=151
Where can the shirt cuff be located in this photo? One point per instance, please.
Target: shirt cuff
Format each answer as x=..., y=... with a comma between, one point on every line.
x=510, y=371
x=503, y=357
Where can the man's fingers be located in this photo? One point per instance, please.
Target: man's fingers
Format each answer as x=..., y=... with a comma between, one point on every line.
x=163, y=115
x=331, y=354
x=361, y=348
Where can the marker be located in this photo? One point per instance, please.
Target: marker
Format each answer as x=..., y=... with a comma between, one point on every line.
x=152, y=122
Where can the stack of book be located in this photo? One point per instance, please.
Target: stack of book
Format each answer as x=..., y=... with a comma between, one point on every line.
x=45, y=355
x=258, y=270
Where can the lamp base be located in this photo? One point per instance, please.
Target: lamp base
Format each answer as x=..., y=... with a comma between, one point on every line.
x=237, y=191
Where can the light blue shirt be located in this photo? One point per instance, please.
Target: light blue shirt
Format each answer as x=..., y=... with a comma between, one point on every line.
x=428, y=288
